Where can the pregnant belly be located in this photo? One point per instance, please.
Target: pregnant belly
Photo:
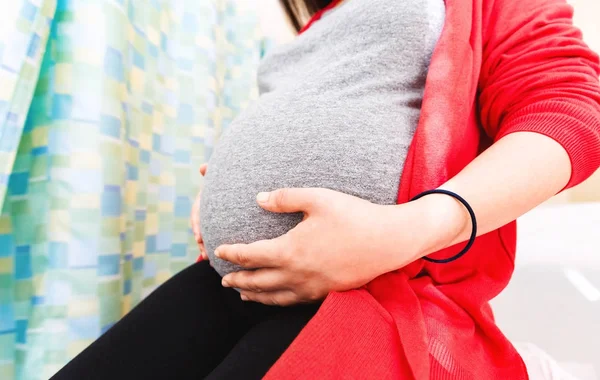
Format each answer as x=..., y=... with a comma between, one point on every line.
x=351, y=152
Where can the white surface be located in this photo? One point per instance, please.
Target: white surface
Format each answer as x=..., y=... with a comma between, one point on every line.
x=542, y=366
x=581, y=283
x=553, y=299
x=273, y=21
x=560, y=235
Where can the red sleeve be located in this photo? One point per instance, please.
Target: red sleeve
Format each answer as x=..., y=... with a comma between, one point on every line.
x=539, y=76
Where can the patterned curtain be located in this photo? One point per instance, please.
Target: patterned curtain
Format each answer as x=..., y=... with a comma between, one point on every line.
x=107, y=108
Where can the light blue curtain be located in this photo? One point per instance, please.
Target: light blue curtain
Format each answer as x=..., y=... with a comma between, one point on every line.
x=107, y=109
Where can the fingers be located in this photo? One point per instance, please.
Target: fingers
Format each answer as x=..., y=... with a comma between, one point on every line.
x=261, y=254
x=202, y=250
x=276, y=298
x=258, y=281
x=195, y=213
x=290, y=200
x=195, y=218
x=203, y=168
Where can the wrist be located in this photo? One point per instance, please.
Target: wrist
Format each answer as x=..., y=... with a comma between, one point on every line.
x=446, y=222
x=428, y=225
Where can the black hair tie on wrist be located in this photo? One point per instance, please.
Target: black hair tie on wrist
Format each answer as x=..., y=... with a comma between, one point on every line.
x=473, y=223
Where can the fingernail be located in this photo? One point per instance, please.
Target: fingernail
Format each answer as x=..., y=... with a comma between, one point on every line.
x=243, y=297
x=217, y=253
x=262, y=197
x=225, y=283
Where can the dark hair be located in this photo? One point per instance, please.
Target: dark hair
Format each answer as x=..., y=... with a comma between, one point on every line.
x=299, y=10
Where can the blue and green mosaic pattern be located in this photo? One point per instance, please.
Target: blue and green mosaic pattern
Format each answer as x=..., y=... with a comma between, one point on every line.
x=107, y=108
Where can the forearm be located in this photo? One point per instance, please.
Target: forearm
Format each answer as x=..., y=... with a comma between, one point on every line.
x=516, y=174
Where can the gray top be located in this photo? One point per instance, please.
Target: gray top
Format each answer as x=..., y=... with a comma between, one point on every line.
x=338, y=108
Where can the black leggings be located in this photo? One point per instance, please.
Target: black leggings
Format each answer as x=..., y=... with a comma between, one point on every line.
x=192, y=328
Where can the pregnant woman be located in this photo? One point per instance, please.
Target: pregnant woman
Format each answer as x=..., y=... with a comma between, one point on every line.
x=328, y=255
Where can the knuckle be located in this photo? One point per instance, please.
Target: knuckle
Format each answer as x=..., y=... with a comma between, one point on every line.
x=291, y=299
x=280, y=196
x=241, y=258
x=252, y=286
x=284, y=256
x=313, y=296
x=285, y=303
x=287, y=252
x=249, y=296
x=273, y=300
x=233, y=279
x=302, y=282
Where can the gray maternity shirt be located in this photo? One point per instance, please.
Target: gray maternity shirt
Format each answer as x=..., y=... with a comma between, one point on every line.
x=338, y=109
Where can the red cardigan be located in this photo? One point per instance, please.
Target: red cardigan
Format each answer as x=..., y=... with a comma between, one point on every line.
x=501, y=66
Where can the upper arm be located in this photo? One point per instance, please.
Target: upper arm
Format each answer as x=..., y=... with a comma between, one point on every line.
x=539, y=76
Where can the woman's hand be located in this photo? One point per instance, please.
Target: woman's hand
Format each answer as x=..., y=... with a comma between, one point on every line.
x=342, y=243
x=195, y=219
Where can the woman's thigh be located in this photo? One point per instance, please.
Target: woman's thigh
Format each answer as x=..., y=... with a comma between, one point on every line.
x=263, y=344
x=182, y=330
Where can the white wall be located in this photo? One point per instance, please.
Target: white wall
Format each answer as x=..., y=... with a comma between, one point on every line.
x=587, y=18
x=274, y=22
